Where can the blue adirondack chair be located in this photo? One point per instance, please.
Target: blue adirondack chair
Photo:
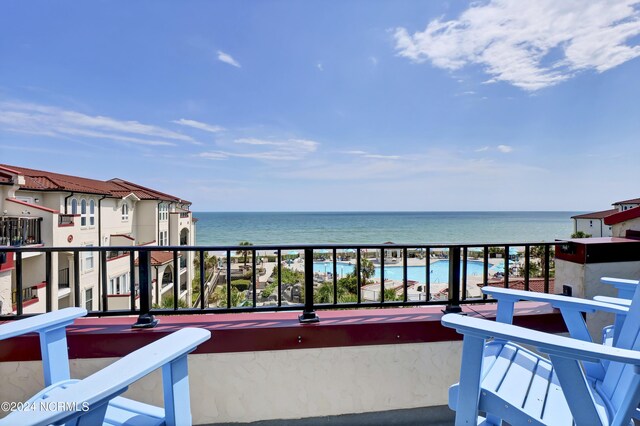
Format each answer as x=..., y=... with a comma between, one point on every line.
x=626, y=289
x=581, y=381
x=95, y=400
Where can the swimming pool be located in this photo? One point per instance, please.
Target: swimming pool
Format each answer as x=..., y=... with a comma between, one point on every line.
x=439, y=270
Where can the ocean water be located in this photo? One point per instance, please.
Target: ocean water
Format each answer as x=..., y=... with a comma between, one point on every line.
x=229, y=228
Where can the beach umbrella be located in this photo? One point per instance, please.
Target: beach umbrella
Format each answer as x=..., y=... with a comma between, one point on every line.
x=323, y=251
x=349, y=251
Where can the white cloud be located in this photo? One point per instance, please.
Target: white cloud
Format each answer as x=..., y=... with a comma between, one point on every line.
x=319, y=66
x=502, y=148
x=532, y=44
x=373, y=60
x=214, y=155
x=199, y=125
x=21, y=117
x=432, y=163
x=228, y=59
x=269, y=150
x=365, y=154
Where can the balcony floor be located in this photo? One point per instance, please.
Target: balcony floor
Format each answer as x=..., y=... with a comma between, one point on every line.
x=433, y=416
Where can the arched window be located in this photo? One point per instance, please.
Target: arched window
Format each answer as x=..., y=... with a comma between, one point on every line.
x=74, y=206
x=125, y=211
x=92, y=213
x=83, y=212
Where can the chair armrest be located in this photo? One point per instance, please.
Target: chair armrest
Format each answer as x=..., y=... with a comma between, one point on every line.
x=548, y=343
x=41, y=323
x=614, y=300
x=626, y=288
x=556, y=300
x=112, y=380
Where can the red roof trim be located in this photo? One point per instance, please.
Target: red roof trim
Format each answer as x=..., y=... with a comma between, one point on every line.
x=623, y=216
x=33, y=205
x=7, y=169
x=124, y=235
x=26, y=303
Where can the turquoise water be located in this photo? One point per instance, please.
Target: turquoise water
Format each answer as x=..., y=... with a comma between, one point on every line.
x=378, y=227
x=439, y=270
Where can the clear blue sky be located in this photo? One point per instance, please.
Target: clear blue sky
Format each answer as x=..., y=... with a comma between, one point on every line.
x=330, y=105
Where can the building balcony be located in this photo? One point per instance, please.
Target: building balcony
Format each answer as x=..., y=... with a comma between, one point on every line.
x=271, y=367
x=67, y=219
x=275, y=360
x=19, y=231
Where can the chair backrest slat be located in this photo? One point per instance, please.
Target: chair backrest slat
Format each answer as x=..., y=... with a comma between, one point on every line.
x=617, y=378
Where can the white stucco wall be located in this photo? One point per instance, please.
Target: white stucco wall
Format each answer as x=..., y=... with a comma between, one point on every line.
x=33, y=269
x=593, y=227
x=620, y=229
x=288, y=384
x=585, y=283
x=5, y=291
x=111, y=220
x=146, y=221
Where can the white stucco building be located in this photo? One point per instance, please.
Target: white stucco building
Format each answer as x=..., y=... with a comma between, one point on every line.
x=595, y=224
x=40, y=208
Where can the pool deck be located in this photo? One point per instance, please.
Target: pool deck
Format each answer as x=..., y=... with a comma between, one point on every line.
x=472, y=280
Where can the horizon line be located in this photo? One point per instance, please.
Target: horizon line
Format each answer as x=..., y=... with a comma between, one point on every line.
x=389, y=211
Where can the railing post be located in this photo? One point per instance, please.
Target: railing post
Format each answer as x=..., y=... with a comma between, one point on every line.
x=308, y=315
x=454, y=282
x=145, y=319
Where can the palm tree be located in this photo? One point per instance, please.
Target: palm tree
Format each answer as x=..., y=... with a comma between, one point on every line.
x=219, y=297
x=367, y=269
x=538, y=252
x=244, y=253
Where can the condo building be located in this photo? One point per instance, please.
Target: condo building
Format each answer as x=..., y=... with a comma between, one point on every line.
x=601, y=224
x=44, y=209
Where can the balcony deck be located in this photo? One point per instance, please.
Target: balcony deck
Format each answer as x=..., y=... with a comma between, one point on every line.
x=425, y=416
x=269, y=369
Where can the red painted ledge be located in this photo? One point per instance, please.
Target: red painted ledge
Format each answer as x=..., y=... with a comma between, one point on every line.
x=113, y=336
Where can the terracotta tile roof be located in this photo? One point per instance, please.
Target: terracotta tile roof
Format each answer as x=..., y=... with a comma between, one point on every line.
x=535, y=284
x=40, y=180
x=144, y=193
x=596, y=215
x=160, y=258
x=632, y=201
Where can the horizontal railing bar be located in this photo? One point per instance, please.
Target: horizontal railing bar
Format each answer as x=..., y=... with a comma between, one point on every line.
x=300, y=247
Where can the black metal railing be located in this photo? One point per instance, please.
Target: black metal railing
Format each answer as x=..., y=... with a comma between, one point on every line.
x=63, y=278
x=310, y=278
x=27, y=294
x=66, y=219
x=20, y=231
